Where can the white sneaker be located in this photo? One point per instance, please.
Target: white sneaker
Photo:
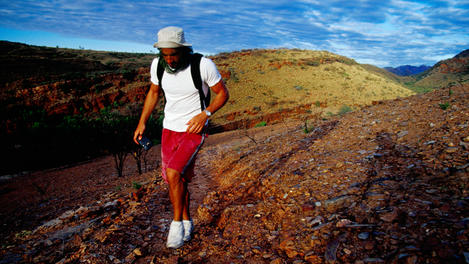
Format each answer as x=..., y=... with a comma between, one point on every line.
x=176, y=235
x=188, y=228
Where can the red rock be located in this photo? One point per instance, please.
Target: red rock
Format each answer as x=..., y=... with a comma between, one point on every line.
x=277, y=261
x=313, y=259
x=288, y=246
x=391, y=216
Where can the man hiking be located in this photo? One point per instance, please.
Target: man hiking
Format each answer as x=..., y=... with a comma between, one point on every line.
x=186, y=115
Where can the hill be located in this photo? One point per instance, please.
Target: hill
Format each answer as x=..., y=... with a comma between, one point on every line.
x=47, y=65
x=389, y=75
x=57, y=104
x=407, y=70
x=65, y=81
x=294, y=83
x=261, y=82
x=445, y=73
x=384, y=184
x=48, y=88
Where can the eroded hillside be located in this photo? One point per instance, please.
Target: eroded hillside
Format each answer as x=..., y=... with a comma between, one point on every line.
x=447, y=72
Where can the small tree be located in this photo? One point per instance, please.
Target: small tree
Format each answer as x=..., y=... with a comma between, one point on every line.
x=117, y=133
x=119, y=160
x=119, y=130
x=153, y=131
x=138, y=155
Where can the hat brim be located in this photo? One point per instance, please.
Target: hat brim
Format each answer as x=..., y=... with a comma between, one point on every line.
x=170, y=44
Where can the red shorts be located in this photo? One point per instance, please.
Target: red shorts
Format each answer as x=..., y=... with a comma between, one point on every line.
x=178, y=152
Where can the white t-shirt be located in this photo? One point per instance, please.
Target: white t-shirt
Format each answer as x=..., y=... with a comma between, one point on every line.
x=182, y=97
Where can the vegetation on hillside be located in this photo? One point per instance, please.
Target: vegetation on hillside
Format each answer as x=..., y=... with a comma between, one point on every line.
x=26, y=66
x=60, y=105
x=262, y=82
x=51, y=142
x=446, y=73
x=44, y=90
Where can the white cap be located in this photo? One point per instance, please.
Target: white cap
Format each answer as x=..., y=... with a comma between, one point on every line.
x=171, y=37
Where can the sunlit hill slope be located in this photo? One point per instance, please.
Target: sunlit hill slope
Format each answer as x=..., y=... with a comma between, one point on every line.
x=263, y=82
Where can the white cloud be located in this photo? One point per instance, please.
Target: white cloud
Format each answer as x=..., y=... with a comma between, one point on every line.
x=439, y=57
x=373, y=61
x=394, y=31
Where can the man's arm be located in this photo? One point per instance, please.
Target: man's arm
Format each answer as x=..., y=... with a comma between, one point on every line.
x=148, y=107
x=197, y=123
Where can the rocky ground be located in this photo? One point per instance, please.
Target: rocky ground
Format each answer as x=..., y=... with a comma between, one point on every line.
x=385, y=184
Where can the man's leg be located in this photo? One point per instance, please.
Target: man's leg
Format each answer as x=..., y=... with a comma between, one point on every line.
x=177, y=149
x=180, y=201
x=186, y=215
x=178, y=194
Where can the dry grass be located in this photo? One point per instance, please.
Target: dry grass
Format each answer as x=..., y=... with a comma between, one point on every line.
x=269, y=81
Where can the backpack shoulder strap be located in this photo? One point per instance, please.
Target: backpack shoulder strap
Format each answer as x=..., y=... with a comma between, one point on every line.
x=160, y=71
x=197, y=79
x=159, y=74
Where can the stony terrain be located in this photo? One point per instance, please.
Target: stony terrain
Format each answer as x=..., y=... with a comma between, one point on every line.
x=385, y=184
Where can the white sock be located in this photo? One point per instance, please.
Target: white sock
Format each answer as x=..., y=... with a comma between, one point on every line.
x=175, y=235
x=188, y=228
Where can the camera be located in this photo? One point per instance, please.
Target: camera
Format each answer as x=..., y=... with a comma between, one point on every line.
x=145, y=142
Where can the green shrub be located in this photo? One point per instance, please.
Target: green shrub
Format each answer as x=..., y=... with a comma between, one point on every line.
x=444, y=105
x=298, y=87
x=136, y=185
x=313, y=63
x=43, y=141
x=233, y=75
x=307, y=129
x=345, y=109
x=261, y=124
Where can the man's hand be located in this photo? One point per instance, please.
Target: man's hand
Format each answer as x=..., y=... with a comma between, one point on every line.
x=150, y=102
x=197, y=123
x=138, y=133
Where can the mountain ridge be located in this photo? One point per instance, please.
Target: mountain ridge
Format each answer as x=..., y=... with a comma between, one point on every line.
x=406, y=70
x=446, y=72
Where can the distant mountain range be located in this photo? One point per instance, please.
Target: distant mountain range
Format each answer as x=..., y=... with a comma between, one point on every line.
x=407, y=70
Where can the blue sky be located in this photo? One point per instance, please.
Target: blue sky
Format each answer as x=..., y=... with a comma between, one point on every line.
x=382, y=33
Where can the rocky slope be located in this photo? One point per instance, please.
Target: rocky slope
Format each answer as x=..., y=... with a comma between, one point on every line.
x=447, y=72
x=385, y=184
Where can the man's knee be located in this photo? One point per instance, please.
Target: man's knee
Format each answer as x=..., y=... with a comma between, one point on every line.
x=173, y=176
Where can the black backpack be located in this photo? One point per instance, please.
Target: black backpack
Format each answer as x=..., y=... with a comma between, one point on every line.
x=195, y=72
